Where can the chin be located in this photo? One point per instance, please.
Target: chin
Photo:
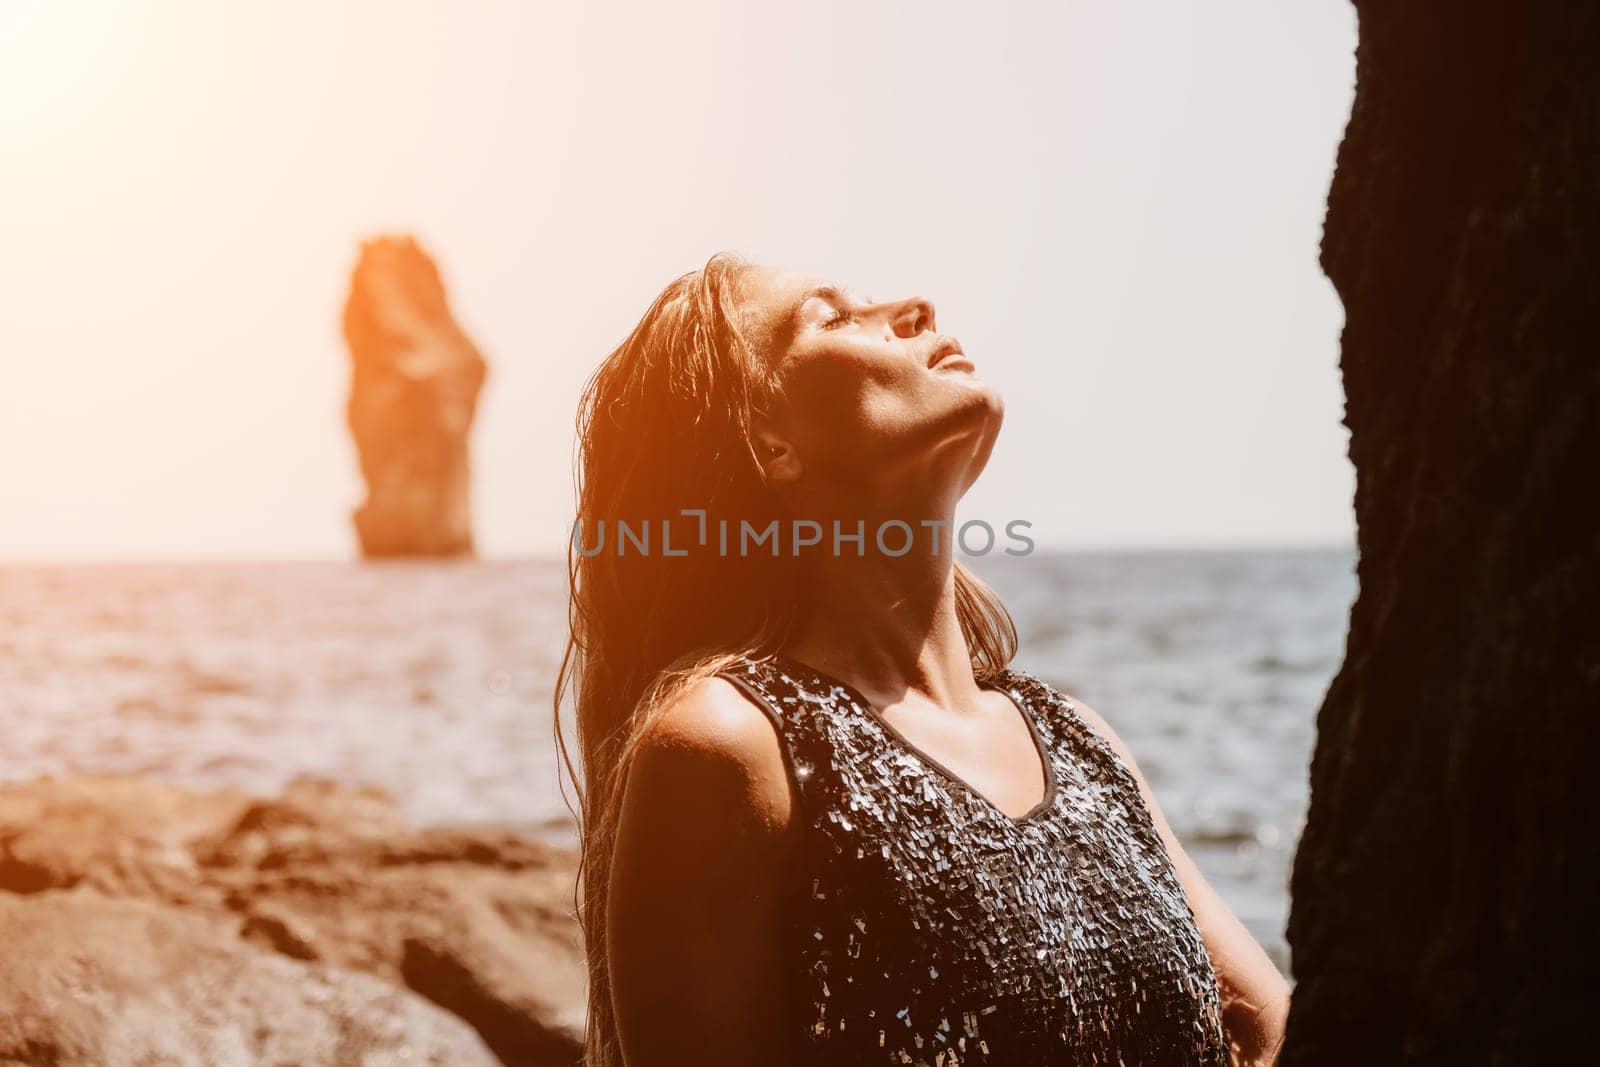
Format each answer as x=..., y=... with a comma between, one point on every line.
x=997, y=417
x=989, y=400
x=982, y=416
x=969, y=405
x=997, y=402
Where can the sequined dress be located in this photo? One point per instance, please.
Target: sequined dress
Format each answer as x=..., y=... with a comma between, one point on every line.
x=930, y=927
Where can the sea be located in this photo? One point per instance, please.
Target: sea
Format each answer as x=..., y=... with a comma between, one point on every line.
x=433, y=680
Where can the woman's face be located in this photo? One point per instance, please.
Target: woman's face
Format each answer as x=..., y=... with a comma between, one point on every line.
x=874, y=397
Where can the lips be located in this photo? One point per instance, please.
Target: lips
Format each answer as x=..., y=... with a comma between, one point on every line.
x=948, y=352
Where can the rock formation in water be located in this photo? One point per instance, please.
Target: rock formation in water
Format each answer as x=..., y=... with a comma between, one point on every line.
x=413, y=391
x=1443, y=891
x=145, y=923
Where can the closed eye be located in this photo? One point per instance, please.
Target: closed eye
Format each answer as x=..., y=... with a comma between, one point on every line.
x=840, y=317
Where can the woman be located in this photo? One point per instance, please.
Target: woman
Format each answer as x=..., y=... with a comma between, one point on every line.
x=823, y=822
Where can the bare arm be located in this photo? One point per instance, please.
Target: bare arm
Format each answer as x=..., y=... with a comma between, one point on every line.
x=695, y=918
x=1255, y=998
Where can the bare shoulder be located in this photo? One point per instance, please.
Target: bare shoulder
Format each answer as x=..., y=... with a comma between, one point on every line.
x=713, y=721
x=711, y=746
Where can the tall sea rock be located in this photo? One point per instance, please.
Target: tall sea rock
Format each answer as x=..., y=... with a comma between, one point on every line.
x=1444, y=888
x=413, y=391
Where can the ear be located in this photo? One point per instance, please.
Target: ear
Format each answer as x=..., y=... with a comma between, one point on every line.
x=779, y=460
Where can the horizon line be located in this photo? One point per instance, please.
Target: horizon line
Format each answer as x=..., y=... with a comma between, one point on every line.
x=1097, y=548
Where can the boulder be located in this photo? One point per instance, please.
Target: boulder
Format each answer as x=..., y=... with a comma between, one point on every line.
x=98, y=981
x=323, y=882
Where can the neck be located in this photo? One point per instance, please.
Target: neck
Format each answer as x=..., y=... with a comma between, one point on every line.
x=888, y=625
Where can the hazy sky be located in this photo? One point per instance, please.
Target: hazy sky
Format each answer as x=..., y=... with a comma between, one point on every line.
x=1115, y=205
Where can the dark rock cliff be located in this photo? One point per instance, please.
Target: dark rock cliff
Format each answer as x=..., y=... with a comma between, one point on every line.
x=1442, y=888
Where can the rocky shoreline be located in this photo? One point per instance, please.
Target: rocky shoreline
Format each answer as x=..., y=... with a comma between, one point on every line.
x=146, y=922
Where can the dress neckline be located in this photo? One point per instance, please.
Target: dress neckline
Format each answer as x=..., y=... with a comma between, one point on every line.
x=1024, y=708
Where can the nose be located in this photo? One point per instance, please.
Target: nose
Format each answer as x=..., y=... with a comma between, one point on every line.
x=911, y=317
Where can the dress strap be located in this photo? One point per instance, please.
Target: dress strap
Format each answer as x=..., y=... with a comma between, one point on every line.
x=756, y=681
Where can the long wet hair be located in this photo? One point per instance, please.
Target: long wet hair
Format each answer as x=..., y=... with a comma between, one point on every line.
x=665, y=425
